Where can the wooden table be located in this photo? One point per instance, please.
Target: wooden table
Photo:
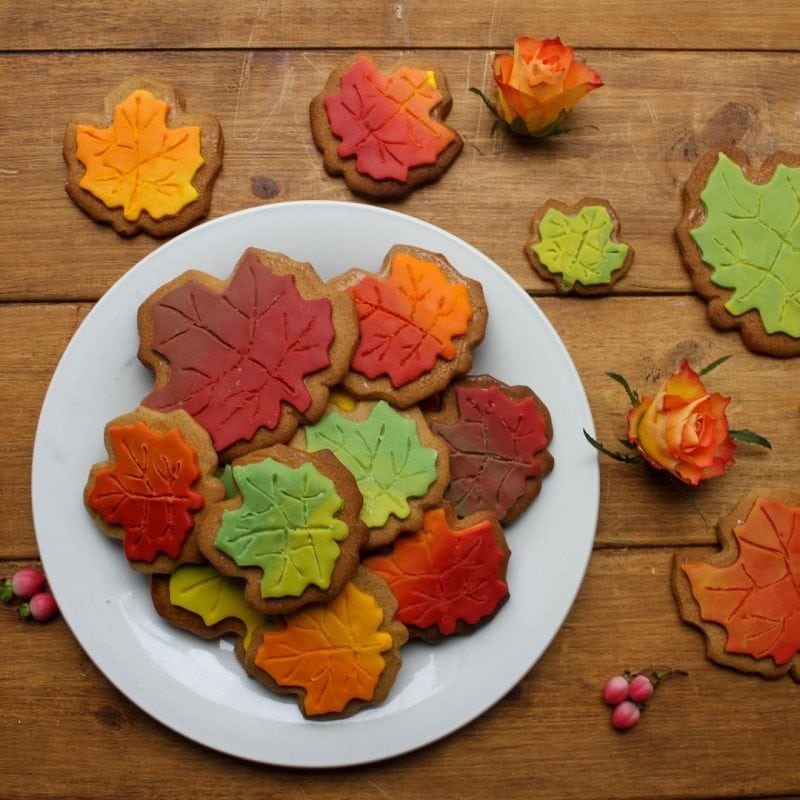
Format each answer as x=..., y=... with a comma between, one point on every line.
x=680, y=77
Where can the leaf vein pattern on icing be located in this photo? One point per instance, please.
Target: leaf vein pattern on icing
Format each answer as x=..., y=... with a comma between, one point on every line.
x=750, y=239
x=385, y=121
x=286, y=526
x=236, y=356
x=757, y=596
x=385, y=455
x=408, y=320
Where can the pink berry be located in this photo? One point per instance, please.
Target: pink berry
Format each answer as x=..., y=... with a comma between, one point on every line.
x=616, y=690
x=42, y=607
x=26, y=582
x=641, y=689
x=625, y=715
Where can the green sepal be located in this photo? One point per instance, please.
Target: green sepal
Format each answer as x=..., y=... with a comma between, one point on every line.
x=629, y=458
x=633, y=395
x=751, y=437
x=713, y=365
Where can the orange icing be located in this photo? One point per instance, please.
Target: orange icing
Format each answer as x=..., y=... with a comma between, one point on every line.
x=138, y=163
x=332, y=651
x=408, y=320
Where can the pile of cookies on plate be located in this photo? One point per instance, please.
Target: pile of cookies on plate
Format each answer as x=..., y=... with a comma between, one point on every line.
x=315, y=472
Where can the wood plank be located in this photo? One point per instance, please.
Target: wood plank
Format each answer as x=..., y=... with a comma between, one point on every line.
x=726, y=734
x=656, y=114
x=193, y=24
x=637, y=507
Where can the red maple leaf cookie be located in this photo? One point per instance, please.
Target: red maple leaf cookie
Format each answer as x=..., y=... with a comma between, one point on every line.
x=383, y=132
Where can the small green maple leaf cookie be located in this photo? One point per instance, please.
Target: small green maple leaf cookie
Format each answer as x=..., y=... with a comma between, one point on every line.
x=576, y=247
x=740, y=239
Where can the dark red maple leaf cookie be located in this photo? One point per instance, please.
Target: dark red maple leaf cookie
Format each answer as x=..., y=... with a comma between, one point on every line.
x=249, y=358
x=498, y=437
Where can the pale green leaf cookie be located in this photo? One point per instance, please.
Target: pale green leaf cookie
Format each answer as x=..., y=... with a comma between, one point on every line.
x=750, y=239
x=579, y=247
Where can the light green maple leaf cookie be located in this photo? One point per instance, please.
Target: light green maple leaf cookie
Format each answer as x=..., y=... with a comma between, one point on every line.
x=750, y=239
x=286, y=525
x=580, y=247
x=385, y=455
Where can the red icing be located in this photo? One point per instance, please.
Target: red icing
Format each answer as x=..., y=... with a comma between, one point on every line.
x=147, y=491
x=493, y=447
x=440, y=575
x=385, y=120
x=408, y=320
x=234, y=357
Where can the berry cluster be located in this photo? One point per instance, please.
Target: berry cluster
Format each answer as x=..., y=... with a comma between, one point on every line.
x=629, y=693
x=28, y=585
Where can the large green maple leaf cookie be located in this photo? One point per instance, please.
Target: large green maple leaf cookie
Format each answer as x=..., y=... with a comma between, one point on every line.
x=750, y=239
x=576, y=248
x=286, y=525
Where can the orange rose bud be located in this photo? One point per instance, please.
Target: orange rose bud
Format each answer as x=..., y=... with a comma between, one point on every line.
x=683, y=429
x=538, y=85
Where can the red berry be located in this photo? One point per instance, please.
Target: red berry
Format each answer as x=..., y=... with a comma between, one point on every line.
x=625, y=715
x=26, y=582
x=42, y=607
x=641, y=688
x=616, y=690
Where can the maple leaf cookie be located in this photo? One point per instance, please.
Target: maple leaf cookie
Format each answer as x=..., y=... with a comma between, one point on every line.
x=249, y=358
x=383, y=131
x=744, y=597
x=497, y=437
x=740, y=240
x=577, y=247
x=143, y=163
x=419, y=320
x=337, y=656
x=151, y=491
x=449, y=576
x=400, y=467
x=292, y=531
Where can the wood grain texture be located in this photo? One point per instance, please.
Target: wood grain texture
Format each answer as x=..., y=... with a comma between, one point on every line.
x=194, y=24
x=713, y=733
x=657, y=113
x=680, y=77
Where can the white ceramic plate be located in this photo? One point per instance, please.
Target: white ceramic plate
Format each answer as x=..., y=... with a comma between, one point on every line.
x=198, y=688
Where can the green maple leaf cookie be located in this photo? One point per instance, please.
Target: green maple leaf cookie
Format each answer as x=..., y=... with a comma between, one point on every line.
x=385, y=456
x=579, y=246
x=750, y=239
x=286, y=525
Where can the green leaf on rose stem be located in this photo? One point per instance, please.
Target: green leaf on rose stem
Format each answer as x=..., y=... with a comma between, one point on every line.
x=713, y=365
x=626, y=458
x=751, y=437
x=625, y=443
x=6, y=592
x=633, y=395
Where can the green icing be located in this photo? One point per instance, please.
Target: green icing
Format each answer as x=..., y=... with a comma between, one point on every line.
x=226, y=478
x=750, y=239
x=202, y=590
x=384, y=454
x=286, y=525
x=579, y=247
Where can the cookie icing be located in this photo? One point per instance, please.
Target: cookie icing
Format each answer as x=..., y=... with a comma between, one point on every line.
x=385, y=121
x=331, y=650
x=199, y=588
x=139, y=163
x=750, y=238
x=148, y=490
x=385, y=455
x=286, y=525
x=408, y=320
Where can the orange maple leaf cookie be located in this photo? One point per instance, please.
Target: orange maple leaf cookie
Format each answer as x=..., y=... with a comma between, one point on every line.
x=419, y=320
x=383, y=131
x=337, y=656
x=156, y=484
x=143, y=164
x=745, y=597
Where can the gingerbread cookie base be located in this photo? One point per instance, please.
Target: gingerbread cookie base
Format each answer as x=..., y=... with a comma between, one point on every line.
x=735, y=237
